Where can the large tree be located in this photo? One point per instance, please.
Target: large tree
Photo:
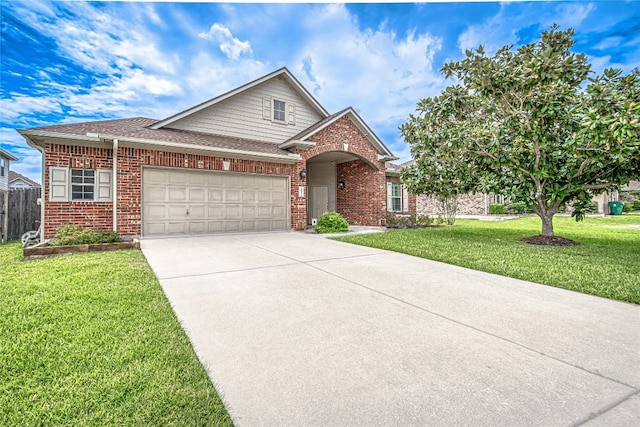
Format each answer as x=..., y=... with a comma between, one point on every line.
x=530, y=124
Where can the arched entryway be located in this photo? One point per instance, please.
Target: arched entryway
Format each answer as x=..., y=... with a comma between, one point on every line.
x=332, y=188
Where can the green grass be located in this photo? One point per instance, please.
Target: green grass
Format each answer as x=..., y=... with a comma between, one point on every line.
x=90, y=339
x=606, y=263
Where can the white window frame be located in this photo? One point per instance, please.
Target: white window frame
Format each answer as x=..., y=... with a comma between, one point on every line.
x=284, y=116
x=397, y=194
x=279, y=114
x=83, y=184
x=3, y=166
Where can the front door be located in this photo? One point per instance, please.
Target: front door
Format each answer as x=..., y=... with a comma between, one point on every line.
x=319, y=200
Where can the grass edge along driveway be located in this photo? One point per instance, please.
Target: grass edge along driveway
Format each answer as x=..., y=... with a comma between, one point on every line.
x=92, y=339
x=606, y=263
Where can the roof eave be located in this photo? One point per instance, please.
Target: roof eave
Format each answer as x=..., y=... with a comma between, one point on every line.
x=8, y=155
x=289, y=158
x=297, y=144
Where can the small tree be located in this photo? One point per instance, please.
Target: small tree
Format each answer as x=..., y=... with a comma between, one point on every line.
x=449, y=208
x=520, y=123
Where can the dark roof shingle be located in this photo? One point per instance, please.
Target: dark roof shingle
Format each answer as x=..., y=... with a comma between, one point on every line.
x=138, y=128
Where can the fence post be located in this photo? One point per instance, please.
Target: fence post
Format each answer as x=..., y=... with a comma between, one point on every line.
x=4, y=207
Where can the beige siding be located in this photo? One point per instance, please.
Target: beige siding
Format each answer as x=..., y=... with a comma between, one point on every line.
x=242, y=115
x=4, y=180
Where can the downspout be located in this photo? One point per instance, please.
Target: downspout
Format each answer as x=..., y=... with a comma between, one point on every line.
x=115, y=185
x=42, y=191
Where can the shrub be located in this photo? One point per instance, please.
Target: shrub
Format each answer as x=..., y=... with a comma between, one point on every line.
x=331, y=222
x=496, y=209
x=636, y=205
x=424, y=220
x=626, y=207
x=516, y=208
x=71, y=234
x=399, y=221
x=412, y=221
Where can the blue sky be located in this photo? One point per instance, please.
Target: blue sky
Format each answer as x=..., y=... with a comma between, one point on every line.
x=75, y=61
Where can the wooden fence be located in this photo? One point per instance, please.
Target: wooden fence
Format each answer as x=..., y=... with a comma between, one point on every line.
x=21, y=214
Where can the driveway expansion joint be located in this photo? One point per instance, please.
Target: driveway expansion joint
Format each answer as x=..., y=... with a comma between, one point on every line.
x=465, y=325
x=184, y=276
x=607, y=408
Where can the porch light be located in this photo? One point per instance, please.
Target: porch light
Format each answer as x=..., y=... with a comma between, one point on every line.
x=341, y=185
x=303, y=174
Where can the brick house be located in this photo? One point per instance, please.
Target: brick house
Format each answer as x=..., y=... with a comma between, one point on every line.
x=264, y=156
x=475, y=204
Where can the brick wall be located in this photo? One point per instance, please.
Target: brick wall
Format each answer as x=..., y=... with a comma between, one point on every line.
x=468, y=204
x=99, y=215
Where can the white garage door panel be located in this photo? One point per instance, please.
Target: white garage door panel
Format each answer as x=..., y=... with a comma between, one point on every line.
x=192, y=202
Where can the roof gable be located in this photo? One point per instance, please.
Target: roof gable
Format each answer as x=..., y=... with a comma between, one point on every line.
x=282, y=72
x=357, y=120
x=16, y=177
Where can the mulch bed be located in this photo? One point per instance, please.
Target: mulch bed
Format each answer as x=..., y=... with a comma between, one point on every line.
x=549, y=241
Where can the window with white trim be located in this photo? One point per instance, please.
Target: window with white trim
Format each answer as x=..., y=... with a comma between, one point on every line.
x=397, y=197
x=279, y=111
x=83, y=182
x=80, y=185
x=3, y=165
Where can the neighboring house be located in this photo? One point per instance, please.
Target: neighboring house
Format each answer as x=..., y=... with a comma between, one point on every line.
x=403, y=202
x=5, y=159
x=265, y=156
x=17, y=180
x=478, y=203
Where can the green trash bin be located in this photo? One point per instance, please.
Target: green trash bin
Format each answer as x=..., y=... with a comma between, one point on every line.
x=616, y=208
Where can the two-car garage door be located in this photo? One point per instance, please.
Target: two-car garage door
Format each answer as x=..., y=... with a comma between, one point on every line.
x=179, y=201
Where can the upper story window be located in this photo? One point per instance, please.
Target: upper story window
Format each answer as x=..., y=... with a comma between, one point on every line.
x=83, y=183
x=279, y=110
x=2, y=166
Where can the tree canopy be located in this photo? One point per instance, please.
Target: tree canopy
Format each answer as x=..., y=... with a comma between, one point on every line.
x=529, y=123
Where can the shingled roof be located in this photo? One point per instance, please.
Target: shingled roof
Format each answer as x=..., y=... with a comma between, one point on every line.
x=139, y=128
x=14, y=176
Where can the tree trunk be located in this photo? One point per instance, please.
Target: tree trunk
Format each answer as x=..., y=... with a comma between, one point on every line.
x=547, y=223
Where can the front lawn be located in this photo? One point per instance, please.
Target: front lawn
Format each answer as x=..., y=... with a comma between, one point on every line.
x=90, y=339
x=606, y=263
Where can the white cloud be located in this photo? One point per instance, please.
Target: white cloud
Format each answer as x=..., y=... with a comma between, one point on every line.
x=502, y=28
x=568, y=15
x=380, y=73
x=229, y=45
x=29, y=161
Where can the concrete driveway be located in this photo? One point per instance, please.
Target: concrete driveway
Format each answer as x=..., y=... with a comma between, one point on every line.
x=298, y=330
